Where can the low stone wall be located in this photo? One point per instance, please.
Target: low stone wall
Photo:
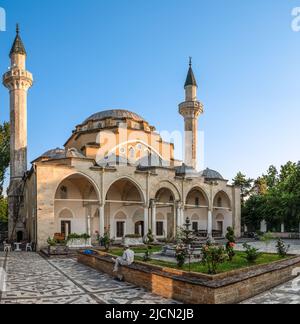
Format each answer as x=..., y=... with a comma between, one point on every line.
x=194, y=288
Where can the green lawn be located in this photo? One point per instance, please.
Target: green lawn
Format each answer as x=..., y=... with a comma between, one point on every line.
x=238, y=262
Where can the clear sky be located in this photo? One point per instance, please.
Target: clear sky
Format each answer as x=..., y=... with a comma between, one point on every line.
x=91, y=55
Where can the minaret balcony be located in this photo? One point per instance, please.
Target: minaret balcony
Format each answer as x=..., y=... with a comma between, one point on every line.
x=191, y=109
x=17, y=78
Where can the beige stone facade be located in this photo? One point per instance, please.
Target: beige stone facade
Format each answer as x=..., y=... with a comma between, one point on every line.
x=116, y=173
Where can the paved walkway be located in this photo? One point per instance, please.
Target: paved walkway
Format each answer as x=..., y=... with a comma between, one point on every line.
x=288, y=294
x=34, y=280
x=271, y=246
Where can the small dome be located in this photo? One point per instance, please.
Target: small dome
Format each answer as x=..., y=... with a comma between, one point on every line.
x=57, y=153
x=211, y=174
x=117, y=113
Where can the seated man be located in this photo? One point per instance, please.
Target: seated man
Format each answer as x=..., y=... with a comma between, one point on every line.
x=127, y=258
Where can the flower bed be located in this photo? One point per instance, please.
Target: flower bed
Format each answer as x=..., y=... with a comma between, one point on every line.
x=198, y=288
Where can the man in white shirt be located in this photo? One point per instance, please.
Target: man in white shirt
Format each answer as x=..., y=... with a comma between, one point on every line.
x=126, y=260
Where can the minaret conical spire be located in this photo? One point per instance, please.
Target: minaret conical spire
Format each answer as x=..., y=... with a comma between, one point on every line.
x=190, y=80
x=18, y=46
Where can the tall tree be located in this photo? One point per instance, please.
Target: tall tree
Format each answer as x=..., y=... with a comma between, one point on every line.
x=276, y=199
x=271, y=177
x=4, y=163
x=4, y=153
x=246, y=185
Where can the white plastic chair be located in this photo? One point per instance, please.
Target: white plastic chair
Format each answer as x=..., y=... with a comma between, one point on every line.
x=7, y=247
x=28, y=247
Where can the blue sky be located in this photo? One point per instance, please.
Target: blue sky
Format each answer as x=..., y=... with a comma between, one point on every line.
x=91, y=55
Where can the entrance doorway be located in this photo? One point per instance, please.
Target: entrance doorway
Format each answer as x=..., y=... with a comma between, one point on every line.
x=66, y=228
x=220, y=227
x=20, y=236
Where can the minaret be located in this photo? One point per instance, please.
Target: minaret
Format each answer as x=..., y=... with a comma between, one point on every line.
x=191, y=109
x=18, y=81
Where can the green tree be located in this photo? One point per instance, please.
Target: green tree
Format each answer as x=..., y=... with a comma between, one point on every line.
x=245, y=184
x=271, y=177
x=4, y=153
x=275, y=199
x=3, y=210
x=4, y=163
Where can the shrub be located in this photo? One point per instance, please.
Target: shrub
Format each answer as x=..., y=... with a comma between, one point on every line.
x=252, y=253
x=148, y=254
x=267, y=238
x=149, y=238
x=282, y=248
x=181, y=255
x=212, y=257
x=75, y=236
x=106, y=240
x=51, y=241
x=231, y=243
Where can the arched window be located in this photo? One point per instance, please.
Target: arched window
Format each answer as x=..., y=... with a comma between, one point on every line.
x=63, y=192
x=220, y=202
x=197, y=201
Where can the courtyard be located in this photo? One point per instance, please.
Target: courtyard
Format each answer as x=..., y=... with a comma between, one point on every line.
x=32, y=279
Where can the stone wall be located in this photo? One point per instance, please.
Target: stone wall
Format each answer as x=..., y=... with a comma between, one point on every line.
x=194, y=288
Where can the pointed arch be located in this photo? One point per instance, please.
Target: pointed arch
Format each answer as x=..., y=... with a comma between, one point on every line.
x=197, y=193
x=222, y=200
x=125, y=189
x=166, y=185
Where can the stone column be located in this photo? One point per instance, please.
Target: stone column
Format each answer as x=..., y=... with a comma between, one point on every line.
x=263, y=226
x=153, y=214
x=89, y=230
x=66, y=230
x=101, y=221
x=178, y=215
x=282, y=228
x=146, y=220
x=210, y=224
x=175, y=220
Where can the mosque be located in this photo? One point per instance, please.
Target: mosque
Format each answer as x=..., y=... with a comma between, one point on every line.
x=115, y=173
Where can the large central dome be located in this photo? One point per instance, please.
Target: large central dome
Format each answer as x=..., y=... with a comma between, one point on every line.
x=116, y=113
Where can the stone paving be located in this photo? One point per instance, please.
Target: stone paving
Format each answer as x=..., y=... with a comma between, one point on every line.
x=271, y=248
x=34, y=280
x=288, y=293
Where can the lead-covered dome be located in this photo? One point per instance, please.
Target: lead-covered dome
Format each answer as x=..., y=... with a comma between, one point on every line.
x=211, y=174
x=116, y=113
